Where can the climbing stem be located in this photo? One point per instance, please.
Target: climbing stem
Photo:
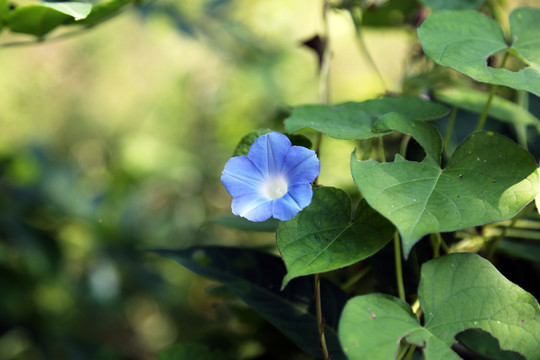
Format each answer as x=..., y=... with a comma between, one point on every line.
x=494, y=87
x=320, y=318
x=399, y=273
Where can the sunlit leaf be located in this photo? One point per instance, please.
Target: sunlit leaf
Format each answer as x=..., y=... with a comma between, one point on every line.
x=326, y=236
x=354, y=120
x=463, y=40
x=256, y=278
x=488, y=179
x=457, y=292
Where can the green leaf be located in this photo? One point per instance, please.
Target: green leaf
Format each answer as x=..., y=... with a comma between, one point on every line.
x=477, y=295
x=482, y=343
x=463, y=40
x=190, y=351
x=353, y=120
x=37, y=20
x=40, y=19
x=426, y=134
x=457, y=292
x=474, y=101
x=104, y=11
x=324, y=236
x=256, y=277
x=488, y=179
x=438, y=5
x=78, y=10
x=240, y=223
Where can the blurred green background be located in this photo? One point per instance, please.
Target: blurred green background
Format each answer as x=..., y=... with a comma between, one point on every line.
x=113, y=141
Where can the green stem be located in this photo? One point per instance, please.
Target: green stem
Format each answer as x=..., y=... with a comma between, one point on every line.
x=494, y=87
x=382, y=156
x=521, y=129
x=399, y=273
x=324, y=93
x=450, y=127
x=320, y=318
x=356, y=15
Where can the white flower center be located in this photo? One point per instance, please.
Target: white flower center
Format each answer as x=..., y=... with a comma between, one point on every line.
x=275, y=187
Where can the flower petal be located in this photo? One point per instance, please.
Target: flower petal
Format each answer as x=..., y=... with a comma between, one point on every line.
x=252, y=207
x=268, y=152
x=301, y=165
x=298, y=197
x=241, y=177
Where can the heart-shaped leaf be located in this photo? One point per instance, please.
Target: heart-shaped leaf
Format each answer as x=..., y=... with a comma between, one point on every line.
x=324, y=236
x=463, y=40
x=256, y=277
x=475, y=101
x=353, y=120
x=488, y=179
x=457, y=292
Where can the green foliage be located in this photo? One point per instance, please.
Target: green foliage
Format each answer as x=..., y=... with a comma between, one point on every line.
x=114, y=143
x=356, y=120
x=489, y=178
x=326, y=236
x=372, y=326
x=463, y=40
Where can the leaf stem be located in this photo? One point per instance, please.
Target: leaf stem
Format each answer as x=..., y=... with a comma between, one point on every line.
x=320, y=318
x=399, y=273
x=494, y=87
x=450, y=127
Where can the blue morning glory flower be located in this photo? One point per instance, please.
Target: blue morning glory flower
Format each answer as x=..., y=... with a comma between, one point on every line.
x=274, y=179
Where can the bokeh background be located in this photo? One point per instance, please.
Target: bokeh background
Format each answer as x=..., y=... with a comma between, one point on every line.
x=113, y=142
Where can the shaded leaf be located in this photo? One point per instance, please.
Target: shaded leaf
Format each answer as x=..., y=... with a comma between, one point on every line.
x=488, y=179
x=353, y=120
x=482, y=343
x=476, y=295
x=256, y=278
x=325, y=236
x=474, y=101
x=463, y=40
